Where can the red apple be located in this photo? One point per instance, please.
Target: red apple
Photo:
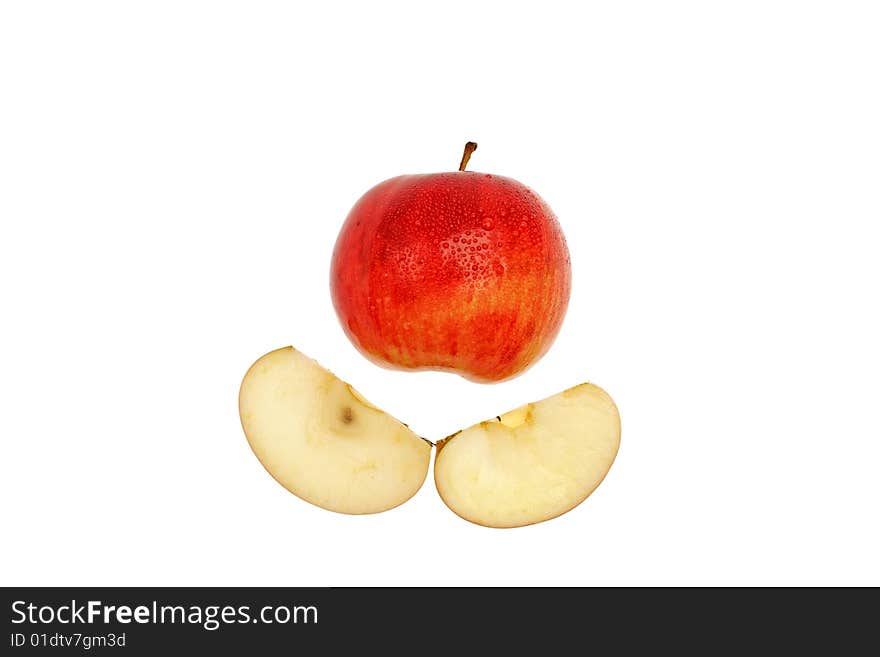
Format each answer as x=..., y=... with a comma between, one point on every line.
x=461, y=271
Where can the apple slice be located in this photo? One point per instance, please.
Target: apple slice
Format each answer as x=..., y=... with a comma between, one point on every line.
x=531, y=464
x=325, y=443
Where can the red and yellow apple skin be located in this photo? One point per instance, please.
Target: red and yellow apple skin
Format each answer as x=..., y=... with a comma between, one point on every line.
x=461, y=271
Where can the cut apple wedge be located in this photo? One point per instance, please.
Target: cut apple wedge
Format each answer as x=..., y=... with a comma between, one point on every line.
x=325, y=443
x=531, y=464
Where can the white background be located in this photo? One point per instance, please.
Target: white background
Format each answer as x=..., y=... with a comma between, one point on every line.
x=172, y=179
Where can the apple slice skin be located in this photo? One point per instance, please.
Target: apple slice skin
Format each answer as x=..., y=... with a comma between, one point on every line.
x=323, y=441
x=531, y=464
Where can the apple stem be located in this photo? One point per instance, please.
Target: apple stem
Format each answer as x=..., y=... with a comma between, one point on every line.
x=469, y=148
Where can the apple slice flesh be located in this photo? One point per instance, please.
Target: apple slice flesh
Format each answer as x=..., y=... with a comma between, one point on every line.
x=325, y=443
x=533, y=463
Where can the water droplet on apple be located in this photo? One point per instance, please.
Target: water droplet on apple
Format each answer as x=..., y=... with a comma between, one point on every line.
x=487, y=223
